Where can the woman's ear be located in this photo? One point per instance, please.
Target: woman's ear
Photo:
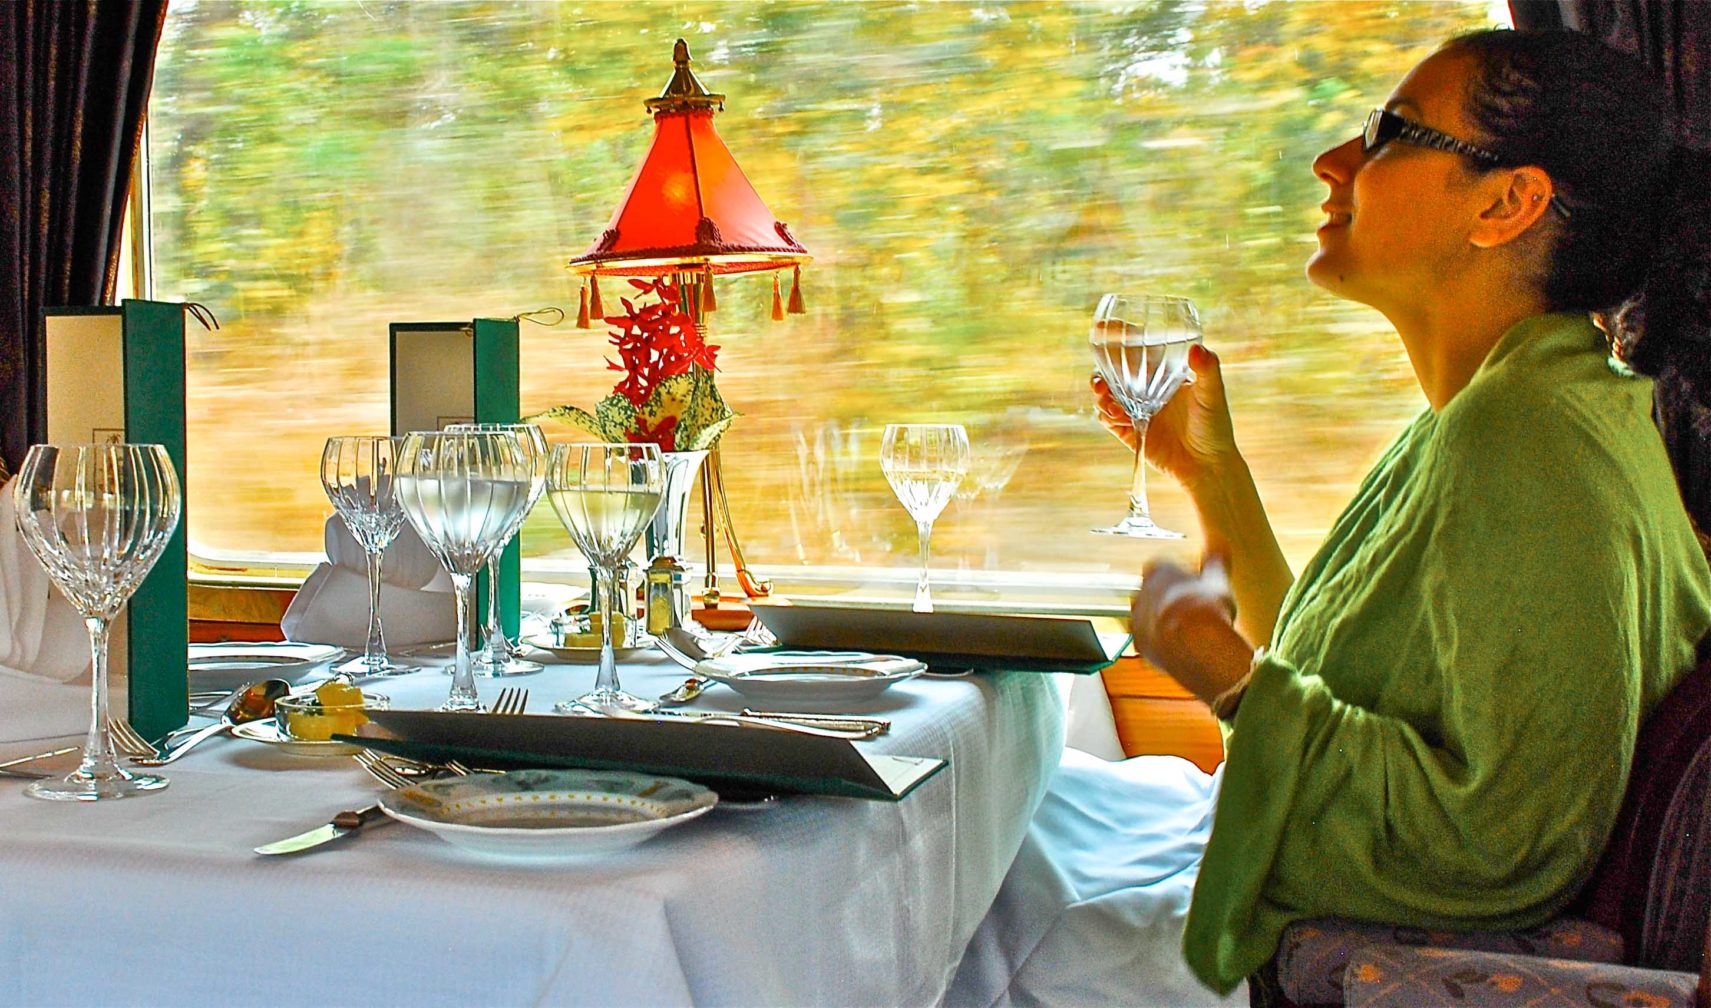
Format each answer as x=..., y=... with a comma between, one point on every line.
x=1519, y=197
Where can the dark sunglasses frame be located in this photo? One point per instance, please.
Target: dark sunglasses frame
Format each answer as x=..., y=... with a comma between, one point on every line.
x=1383, y=126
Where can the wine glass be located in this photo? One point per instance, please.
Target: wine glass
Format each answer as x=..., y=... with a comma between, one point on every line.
x=1140, y=345
x=924, y=463
x=463, y=491
x=606, y=494
x=97, y=517
x=358, y=474
x=498, y=657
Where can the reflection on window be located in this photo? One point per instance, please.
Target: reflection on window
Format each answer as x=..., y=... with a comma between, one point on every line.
x=970, y=178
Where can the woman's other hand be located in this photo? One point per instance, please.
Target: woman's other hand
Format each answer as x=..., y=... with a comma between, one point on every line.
x=1191, y=439
x=1183, y=623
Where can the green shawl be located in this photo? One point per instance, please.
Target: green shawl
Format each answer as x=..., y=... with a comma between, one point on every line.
x=1440, y=732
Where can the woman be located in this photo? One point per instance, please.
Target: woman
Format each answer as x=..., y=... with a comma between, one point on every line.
x=1438, y=727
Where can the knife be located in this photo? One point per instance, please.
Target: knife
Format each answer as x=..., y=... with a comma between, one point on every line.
x=343, y=824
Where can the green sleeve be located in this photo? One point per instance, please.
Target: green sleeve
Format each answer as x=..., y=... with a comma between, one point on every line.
x=1478, y=789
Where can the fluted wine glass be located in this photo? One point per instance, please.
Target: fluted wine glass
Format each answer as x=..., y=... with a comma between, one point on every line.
x=1140, y=345
x=97, y=517
x=498, y=655
x=358, y=473
x=606, y=494
x=924, y=463
x=463, y=491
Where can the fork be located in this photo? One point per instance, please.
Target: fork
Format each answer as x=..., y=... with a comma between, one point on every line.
x=129, y=741
x=512, y=700
x=382, y=770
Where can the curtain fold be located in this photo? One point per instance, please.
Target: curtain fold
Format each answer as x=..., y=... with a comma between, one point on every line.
x=1674, y=38
x=74, y=86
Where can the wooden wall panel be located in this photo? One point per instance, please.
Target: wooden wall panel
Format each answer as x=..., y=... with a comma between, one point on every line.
x=1155, y=716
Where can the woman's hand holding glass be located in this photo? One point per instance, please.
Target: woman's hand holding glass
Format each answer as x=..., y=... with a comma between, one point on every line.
x=1191, y=439
x=464, y=493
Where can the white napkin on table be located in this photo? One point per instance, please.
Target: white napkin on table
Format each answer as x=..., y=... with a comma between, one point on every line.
x=416, y=604
x=44, y=648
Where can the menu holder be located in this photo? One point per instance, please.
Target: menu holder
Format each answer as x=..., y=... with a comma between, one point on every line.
x=735, y=760
x=947, y=640
x=462, y=372
x=116, y=375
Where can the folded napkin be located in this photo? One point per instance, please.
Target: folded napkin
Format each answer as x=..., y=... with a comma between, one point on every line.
x=416, y=604
x=44, y=648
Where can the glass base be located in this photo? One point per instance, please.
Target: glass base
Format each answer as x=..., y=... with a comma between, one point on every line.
x=1138, y=527
x=471, y=706
x=484, y=669
x=79, y=786
x=602, y=701
x=359, y=668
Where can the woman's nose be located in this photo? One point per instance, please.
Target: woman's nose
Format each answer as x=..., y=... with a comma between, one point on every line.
x=1336, y=166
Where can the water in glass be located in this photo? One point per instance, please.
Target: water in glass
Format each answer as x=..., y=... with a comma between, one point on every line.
x=924, y=463
x=606, y=494
x=463, y=492
x=1140, y=346
x=498, y=654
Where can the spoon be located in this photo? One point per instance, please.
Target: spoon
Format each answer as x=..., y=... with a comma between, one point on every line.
x=253, y=704
x=688, y=649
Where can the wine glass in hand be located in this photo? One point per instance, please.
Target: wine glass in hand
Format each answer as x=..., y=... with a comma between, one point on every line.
x=606, y=494
x=97, y=517
x=463, y=492
x=357, y=473
x=924, y=463
x=498, y=657
x=1140, y=345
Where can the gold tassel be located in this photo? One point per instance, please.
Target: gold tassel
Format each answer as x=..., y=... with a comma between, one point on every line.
x=709, y=303
x=582, y=310
x=796, y=292
x=777, y=301
x=594, y=307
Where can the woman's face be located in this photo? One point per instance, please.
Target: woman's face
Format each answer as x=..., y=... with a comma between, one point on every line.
x=1397, y=218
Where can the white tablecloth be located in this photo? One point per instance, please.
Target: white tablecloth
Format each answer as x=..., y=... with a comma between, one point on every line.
x=159, y=900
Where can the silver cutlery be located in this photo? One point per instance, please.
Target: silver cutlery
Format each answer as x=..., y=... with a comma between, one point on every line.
x=351, y=820
x=512, y=700
x=128, y=740
x=253, y=704
x=719, y=717
x=10, y=768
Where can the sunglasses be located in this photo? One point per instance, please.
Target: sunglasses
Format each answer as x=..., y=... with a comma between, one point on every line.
x=1383, y=126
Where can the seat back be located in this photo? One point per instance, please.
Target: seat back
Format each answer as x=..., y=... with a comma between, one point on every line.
x=1653, y=883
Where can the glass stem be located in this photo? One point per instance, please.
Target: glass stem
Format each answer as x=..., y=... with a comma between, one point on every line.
x=611, y=595
x=923, y=596
x=98, y=759
x=498, y=647
x=374, y=656
x=1138, y=483
x=463, y=675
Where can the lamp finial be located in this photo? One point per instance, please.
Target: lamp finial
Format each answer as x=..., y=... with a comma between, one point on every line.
x=684, y=91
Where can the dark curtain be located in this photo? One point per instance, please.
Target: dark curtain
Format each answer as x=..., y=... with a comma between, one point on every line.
x=74, y=83
x=1674, y=37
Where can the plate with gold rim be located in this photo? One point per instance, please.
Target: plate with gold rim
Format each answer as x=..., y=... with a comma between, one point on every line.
x=548, y=815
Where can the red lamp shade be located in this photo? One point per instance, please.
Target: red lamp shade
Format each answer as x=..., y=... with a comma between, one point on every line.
x=689, y=206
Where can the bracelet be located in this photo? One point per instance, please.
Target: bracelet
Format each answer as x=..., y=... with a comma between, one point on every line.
x=1225, y=704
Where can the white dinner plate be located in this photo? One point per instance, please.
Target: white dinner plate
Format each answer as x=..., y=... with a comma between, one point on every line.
x=230, y=665
x=543, y=815
x=267, y=733
x=809, y=680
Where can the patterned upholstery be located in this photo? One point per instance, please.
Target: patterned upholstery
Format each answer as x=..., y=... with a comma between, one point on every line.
x=1647, y=907
x=1313, y=955
x=1393, y=976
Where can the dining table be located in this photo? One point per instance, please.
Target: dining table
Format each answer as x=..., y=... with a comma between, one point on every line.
x=802, y=900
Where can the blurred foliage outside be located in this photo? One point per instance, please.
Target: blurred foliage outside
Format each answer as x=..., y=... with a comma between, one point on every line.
x=969, y=177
